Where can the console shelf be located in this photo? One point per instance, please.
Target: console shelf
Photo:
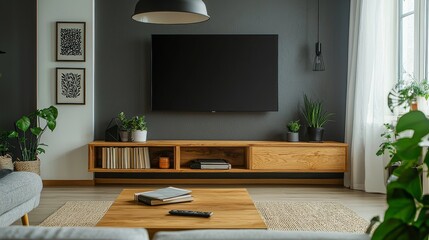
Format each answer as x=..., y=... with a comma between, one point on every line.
x=244, y=156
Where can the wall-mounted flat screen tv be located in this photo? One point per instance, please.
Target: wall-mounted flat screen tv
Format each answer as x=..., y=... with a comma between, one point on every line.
x=215, y=73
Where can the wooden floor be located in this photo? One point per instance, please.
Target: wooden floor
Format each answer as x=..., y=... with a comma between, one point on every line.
x=366, y=205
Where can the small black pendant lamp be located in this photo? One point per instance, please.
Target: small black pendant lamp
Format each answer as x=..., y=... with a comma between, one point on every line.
x=170, y=11
x=318, y=64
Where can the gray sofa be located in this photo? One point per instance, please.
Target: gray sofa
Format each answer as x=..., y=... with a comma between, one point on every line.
x=19, y=194
x=98, y=233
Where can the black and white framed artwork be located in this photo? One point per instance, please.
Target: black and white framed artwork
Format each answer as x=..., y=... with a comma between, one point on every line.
x=71, y=86
x=70, y=40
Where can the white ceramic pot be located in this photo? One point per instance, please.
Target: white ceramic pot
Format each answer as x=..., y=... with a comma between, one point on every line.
x=422, y=105
x=139, y=136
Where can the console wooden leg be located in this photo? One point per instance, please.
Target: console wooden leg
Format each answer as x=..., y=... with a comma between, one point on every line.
x=24, y=220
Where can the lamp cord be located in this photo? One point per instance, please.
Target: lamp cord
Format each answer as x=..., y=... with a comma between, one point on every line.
x=318, y=20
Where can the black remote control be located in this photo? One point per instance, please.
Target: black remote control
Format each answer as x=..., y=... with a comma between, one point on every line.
x=190, y=213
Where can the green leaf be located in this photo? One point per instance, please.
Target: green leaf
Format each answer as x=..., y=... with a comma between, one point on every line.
x=395, y=229
x=423, y=217
x=394, y=159
x=13, y=134
x=23, y=123
x=54, y=111
x=51, y=125
x=36, y=131
x=40, y=150
x=408, y=148
x=401, y=206
x=414, y=120
x=409, y=181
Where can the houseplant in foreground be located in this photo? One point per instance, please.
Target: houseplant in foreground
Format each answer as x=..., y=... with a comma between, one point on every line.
x=29, y=130
x=316, y=118
x=407, y=215
x=139, y=129
x=293, y=131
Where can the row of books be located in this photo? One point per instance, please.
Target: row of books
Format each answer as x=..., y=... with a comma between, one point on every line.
x=163, y=196
x=125, y=157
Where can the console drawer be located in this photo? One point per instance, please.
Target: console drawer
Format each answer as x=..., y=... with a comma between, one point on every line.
x=300, y=159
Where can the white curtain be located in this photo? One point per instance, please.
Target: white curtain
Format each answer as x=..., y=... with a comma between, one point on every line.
x=371, y=74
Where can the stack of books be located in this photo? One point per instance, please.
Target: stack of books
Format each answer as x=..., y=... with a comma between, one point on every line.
x=162, y=196
x=219, y=164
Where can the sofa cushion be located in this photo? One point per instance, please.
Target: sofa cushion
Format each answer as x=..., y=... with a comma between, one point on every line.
x=4, y=172
x=238, y=234
x=68, y=233
x=17, y=188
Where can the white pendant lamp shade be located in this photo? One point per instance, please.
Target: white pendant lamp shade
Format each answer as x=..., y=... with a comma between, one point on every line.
x=170, y=11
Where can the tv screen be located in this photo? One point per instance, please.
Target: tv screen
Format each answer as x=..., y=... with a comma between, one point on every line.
x=215, y=73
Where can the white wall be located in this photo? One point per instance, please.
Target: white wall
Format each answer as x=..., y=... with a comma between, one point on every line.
x=67, y=154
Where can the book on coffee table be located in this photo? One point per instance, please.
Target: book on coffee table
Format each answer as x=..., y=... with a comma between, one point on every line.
x=164, y=194
x=153, y=202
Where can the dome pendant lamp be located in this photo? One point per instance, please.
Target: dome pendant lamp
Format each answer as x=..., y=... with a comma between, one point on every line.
x=318, y=64
x=170, y=11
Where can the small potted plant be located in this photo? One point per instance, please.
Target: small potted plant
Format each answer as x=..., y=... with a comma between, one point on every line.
x=407, y=94
x=316, y=118
x=5, y=157
x=293, y=131
x=29, y=130
x=139, y=129
x=125, y=127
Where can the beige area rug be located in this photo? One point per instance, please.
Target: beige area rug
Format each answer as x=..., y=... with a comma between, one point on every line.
x=78, y=214
x=310, y=216
x=278, y=215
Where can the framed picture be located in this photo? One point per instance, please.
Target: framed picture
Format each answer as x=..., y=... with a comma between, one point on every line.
x=71, y=41
x=71, y=86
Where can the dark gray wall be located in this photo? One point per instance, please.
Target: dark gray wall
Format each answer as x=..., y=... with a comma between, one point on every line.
x=122, y=66
x=18, y=65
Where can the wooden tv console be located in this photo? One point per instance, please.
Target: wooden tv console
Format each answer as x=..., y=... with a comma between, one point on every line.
x=244, y=156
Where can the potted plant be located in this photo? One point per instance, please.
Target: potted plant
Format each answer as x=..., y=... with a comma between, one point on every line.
x=29, y=130
x=389, y=136
x=5, y=157
x=407, y=215
x=407, y=94
x=316, y=118
x=293, y=131
x=139, y=129
x=125, y=127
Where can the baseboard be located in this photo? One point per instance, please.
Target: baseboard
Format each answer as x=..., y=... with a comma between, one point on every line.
x=99, y=181
x=60, y=183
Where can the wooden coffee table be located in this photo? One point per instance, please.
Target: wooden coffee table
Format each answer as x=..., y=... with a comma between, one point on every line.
x=232, y=209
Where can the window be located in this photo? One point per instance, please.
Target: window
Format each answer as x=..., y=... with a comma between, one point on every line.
x=406, y=56
x=412, y=40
